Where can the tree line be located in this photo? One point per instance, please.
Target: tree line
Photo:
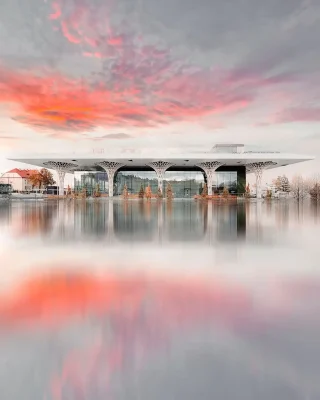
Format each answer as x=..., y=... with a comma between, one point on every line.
x=299, y=187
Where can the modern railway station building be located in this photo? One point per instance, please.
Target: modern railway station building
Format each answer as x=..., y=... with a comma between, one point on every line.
x=224, y=166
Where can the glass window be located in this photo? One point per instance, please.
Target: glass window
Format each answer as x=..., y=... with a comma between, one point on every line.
x=185, y=184
x=226, y=179
x=91, y=180
x=134, y=180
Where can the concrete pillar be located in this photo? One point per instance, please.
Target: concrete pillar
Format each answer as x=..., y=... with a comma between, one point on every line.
x=61, y=175
x=160, y=168
x=209, y=168
x=257, y=168
x=61, y=168
x=111, y=168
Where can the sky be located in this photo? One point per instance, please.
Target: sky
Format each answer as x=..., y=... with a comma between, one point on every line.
x=133, y=75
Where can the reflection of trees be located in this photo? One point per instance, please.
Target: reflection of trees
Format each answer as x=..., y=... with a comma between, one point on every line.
x=282, y=214
x=299, y=211
x=315, y=210
x=39, y=218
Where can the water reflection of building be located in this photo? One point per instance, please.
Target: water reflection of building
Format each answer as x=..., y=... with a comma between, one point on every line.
x=224, y=221
x=90, y=218
x=128, y=221
x=5, y=213
x=160, y=221
x=35, y=218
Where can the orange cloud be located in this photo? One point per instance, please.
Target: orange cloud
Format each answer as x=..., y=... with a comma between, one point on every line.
x=141, y=84
x=53, y=101
x=56, y=102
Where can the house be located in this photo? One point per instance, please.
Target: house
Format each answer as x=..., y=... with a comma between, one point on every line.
x=18, y=179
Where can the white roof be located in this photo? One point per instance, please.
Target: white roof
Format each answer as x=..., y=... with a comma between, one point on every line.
x=179, y=159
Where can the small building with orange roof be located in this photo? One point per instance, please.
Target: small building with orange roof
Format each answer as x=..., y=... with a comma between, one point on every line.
x=18, y=179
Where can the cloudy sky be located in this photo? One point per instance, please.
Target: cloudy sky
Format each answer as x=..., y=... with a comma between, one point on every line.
x=79, y=75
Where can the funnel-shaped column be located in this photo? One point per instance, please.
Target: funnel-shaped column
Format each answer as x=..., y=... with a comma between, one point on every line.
x=61, y=168
x=111, y=168
x=209, y=168
x=160, y=168
x=257, y=168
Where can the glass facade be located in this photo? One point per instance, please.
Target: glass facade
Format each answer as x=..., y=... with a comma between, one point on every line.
x=90, y=180
x=225, y=179
x=185, y=184
x=134, y=180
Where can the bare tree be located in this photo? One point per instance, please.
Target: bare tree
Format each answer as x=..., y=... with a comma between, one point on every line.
x=299, y=187
x=314, y=188
x=282, y=184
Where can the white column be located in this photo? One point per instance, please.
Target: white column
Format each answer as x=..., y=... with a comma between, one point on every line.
x=257, y=168
x=61, y=168
x=258, y=174
x=111, y=168
x=160, y=168
x=209, y=168
x=61, y=175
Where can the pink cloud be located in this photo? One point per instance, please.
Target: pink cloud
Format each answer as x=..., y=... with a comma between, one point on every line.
x=142, y=85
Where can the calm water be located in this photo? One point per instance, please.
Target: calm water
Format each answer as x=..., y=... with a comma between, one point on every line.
x=156, y=300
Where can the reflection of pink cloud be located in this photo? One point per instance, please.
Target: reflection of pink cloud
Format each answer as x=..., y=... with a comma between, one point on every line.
x=54, y=298
x=142, y=314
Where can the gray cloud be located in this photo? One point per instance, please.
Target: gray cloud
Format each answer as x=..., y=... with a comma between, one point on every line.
x=3, y=137
x=114, y=136
x=256, y=32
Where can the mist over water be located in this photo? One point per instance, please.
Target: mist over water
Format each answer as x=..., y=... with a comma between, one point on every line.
x=159, y=300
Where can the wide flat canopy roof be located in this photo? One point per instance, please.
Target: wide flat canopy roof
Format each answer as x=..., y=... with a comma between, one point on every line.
x=179, y=160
